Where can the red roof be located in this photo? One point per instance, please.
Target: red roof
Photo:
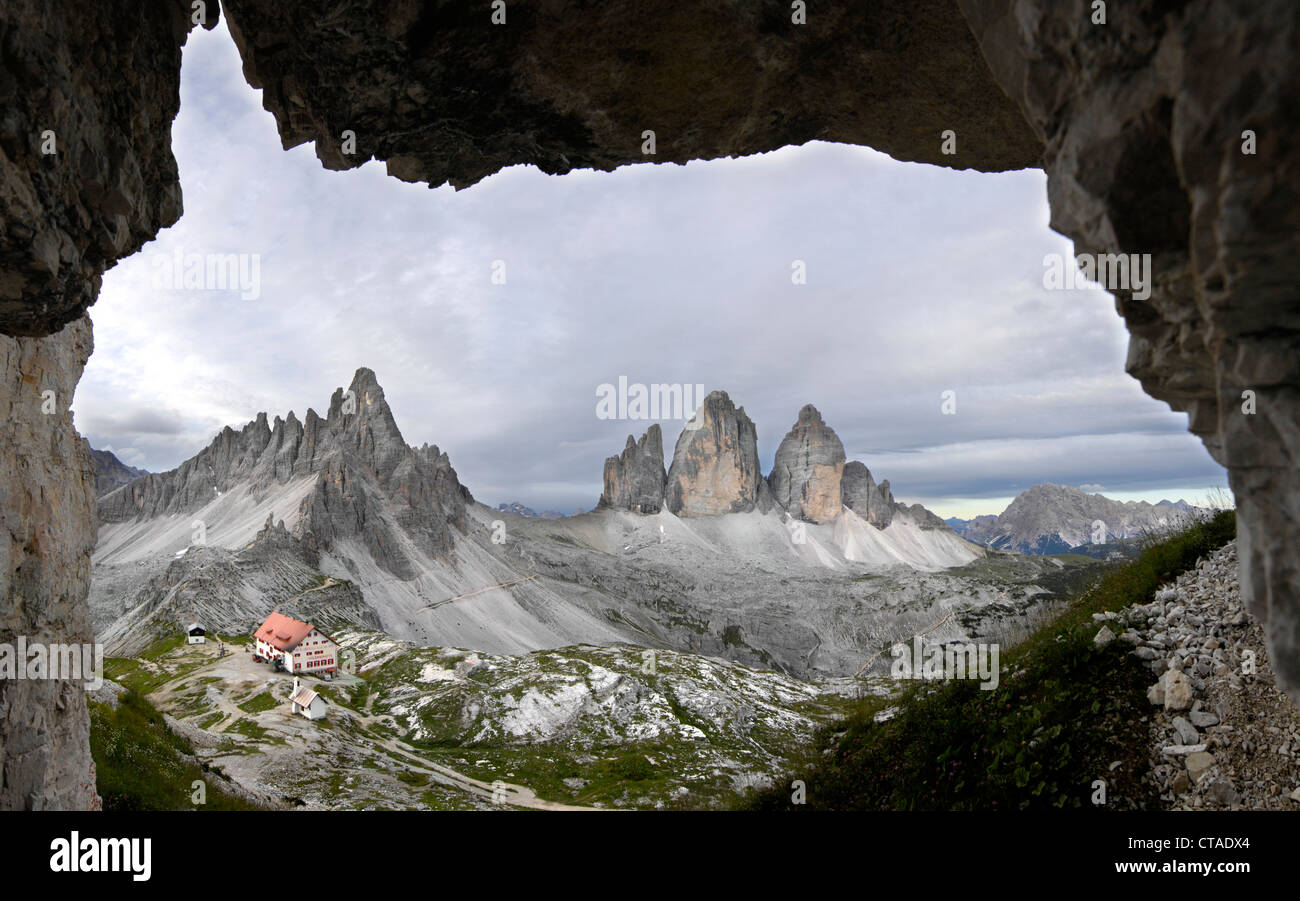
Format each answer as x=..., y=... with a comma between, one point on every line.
x=283, y=632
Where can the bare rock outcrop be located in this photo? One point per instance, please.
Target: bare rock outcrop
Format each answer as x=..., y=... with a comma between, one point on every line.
x=86, y=166
x=47, y=506
x=445, y=95
x=1171, y=130
x=715, y=463
x=874, y=503
x=807, y=470
x=635, y=479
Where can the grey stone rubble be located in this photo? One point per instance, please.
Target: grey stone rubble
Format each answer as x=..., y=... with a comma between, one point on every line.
x=1223, y=736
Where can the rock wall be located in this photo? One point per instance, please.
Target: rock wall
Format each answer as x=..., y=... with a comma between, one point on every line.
x=715, y=463
x=47, y=507
x=87, y=176
x=1145, y=122
x=444, y=95
x=807, y=469
x=635, y=479
x=874, y=503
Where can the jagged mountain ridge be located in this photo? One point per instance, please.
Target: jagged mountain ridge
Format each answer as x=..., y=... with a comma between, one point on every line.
x=1052, y=519
x=359, y=465
x=110, y=472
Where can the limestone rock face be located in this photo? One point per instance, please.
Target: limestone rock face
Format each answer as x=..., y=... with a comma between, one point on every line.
x=807, y=470
x=635, y=479
x=99, y=84
x=369, y=484
x=715, y=463
x=47, y=505
x=874, y=503
x=1145, y=120
x=443, y=95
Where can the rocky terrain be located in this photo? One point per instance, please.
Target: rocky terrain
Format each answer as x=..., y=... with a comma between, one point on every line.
x=1054, y=519
x=874, y=503
x=446, y=728
x=1222, y=735
x=350, y=475
x=135, y=604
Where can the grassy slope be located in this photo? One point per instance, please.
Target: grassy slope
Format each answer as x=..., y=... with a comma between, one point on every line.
x=1062, y=713
x=141, y=765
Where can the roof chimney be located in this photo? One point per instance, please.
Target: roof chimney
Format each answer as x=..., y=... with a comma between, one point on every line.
x=295, y=685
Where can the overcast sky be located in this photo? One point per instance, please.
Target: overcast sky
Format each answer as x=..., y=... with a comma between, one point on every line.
x=920, y=280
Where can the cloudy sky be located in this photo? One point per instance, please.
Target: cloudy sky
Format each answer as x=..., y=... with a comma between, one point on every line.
x=919, y=281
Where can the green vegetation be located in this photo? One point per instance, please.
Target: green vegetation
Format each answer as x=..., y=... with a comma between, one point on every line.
x=141, y=765
x=253, y=730
x=259, y=703
x=211, y=720
x=1063, y=712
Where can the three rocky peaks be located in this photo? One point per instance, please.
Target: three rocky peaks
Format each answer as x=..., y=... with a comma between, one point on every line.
x=715, y=470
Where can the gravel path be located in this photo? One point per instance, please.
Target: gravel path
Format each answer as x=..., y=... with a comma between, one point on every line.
x=1222, y=735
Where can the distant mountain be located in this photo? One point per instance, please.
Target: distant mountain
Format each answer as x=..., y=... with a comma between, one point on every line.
x=517, y=509
x=1054, y=519
x=958, y=525
x=110, y=472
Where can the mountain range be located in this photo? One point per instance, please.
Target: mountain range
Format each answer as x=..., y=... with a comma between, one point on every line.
x=517, y=509
x=1054, y=519
x=338, y=518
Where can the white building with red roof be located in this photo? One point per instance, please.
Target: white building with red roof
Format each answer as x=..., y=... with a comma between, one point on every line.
x=306, y=702
x=301, y=647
